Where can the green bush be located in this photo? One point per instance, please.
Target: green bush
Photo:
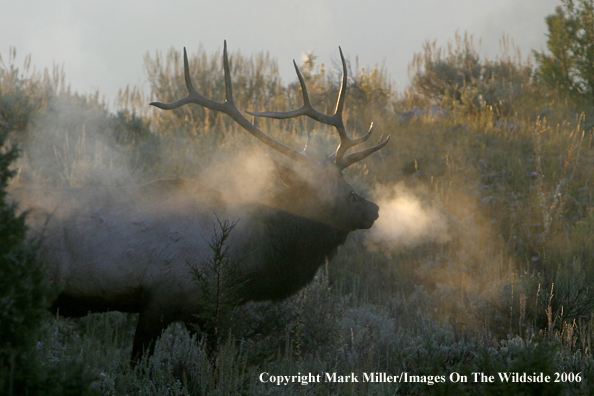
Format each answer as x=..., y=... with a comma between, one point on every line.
x=24, y=299
x=569, y=65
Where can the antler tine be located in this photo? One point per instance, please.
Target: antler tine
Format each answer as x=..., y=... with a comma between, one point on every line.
x=343, y=86
x=359, y=155
x=307, y=109
x=228, y=107
x=351, y=143
x=334, y=120
x=227, y=69
x=193, y=95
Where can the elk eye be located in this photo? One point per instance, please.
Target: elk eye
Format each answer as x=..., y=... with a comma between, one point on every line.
x=353, y=197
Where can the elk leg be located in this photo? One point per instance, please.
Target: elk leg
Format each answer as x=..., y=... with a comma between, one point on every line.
x=147, y=332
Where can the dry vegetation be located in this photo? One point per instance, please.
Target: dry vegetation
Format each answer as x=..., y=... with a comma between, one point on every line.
x=497, y=277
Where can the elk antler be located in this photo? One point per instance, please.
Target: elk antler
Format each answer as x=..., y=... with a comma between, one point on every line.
x=228, y=107
x=334, y=120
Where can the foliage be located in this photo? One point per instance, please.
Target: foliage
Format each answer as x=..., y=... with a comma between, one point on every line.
x=458, y=78
x=569, y=65
x=24, y=293
x=24, y=92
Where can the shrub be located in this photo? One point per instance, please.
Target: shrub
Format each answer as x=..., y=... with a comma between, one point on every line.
x=24, y=93
x=23, y=291
x=458, y=78
x=218, y=280
x=24, y=298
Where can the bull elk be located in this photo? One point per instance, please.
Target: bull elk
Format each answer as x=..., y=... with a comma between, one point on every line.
x=118, y=248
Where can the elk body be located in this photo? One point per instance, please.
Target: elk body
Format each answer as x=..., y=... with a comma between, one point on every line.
x=131, y=249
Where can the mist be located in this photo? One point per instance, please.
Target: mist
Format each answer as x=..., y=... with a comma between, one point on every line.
x=405, y=220
x=240, y=178
x=72, y=144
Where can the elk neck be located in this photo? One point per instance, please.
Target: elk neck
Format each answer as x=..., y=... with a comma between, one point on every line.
x=286, y=252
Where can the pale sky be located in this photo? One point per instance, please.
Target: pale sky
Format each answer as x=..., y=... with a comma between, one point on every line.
x=101, y=43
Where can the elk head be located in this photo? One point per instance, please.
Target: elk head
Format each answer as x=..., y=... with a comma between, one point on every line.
x=316, y=190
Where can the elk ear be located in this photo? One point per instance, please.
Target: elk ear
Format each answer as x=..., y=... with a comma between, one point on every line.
x=288, y=176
